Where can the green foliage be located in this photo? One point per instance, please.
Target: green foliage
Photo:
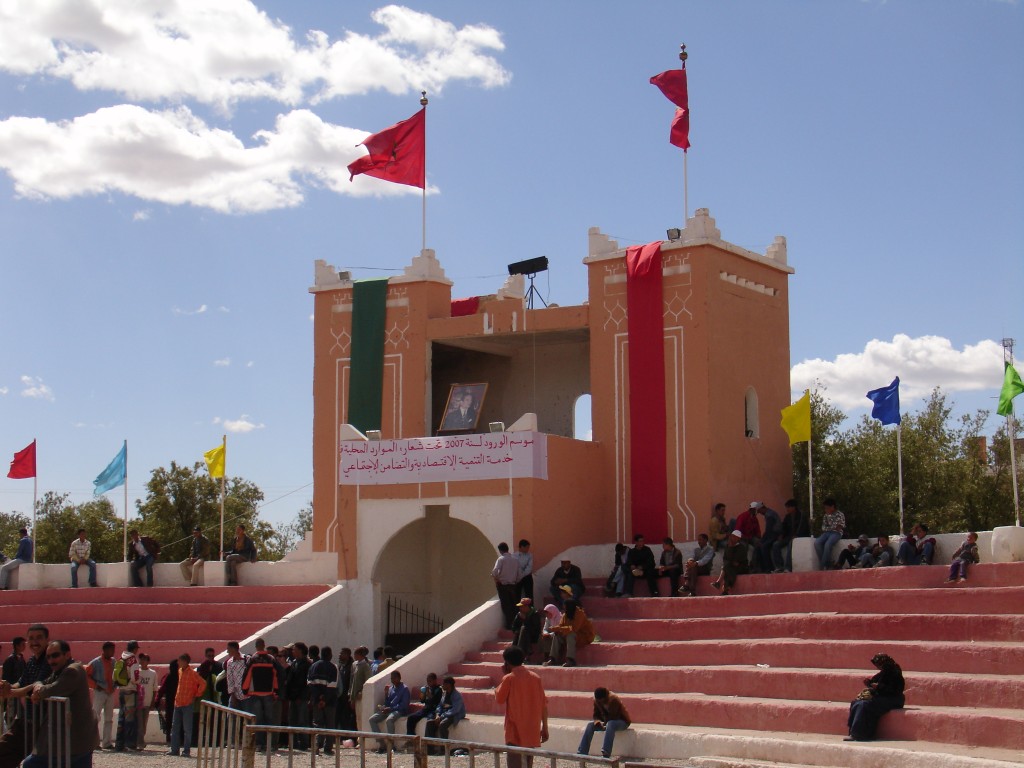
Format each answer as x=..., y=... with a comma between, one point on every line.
x=285, y=537
x=58, y=522
x=948, y=483
x=179, y=498
x=10, y=524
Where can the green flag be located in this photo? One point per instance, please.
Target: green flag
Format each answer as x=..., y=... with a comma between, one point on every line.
x=1012, y=386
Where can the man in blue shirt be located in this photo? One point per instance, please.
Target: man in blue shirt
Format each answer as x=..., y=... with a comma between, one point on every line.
x=23, y=555
x=450, y=711
x=396, y=705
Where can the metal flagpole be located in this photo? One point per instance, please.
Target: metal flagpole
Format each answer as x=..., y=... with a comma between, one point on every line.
x=1008, y=359
x=125, y=553
x=35, y=502
x=810, y=484
x=686, y=170
x=899, y=469
x=1011, y=430
x=223, y=480
x=423, y=103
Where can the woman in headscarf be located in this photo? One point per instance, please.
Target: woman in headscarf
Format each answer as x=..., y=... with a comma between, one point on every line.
x=573, y=632
x=883, y=693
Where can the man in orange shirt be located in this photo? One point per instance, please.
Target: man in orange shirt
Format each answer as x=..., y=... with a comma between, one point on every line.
x=190, y=687
x=526, y=706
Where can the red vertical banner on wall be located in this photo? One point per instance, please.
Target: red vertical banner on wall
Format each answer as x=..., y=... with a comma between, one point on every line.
x=647, y=472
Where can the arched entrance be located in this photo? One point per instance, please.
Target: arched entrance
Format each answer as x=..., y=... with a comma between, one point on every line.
x=436, y=566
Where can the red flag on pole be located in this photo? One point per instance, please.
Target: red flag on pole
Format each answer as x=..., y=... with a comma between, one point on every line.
x=396, y=154
x=673, y=84
x=24, y=463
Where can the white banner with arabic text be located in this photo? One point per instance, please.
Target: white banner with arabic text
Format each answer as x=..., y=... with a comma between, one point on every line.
x=491, y=456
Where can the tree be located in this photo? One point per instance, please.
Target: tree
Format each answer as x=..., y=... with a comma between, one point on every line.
x=179, y=498
x=947, y=482
x=58, y=521
x=287, y=536
x=10, y=524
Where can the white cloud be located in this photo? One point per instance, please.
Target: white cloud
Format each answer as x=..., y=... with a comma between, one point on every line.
x=223, y=309
x=922, y=364
x=35, y=388
x=199, y=311
x=250, y=364
x=140, y=216
x=224, y=362
x=174, y=157
x=224, y=51
x=4, y=390
x=241, y=425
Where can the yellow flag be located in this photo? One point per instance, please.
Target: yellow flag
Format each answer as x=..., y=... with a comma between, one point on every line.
x=215, y=460
x=796, y=419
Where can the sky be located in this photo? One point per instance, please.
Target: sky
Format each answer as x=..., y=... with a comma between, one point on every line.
x=170, y=170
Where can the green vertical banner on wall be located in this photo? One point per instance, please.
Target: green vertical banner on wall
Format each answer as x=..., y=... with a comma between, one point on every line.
x=366, y=373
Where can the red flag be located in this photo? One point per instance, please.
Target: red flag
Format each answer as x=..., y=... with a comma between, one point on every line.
x=24, y=463
x=673, y=84
x=397, y=154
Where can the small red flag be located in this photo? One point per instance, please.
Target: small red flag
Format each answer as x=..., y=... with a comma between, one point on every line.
x=397, y=154
x=24, y=463
x=673, y=84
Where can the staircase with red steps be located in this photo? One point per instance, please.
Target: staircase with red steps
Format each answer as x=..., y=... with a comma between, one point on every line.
x=786, y=653
x=167, y=621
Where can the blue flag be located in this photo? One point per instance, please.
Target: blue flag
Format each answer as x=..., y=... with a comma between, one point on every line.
x=887, y=403
x=114, y=474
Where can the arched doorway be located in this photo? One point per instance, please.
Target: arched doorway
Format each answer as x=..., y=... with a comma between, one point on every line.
x=436, y=566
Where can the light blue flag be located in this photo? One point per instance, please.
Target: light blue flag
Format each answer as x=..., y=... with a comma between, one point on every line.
x=114, y=474
x=886, y=403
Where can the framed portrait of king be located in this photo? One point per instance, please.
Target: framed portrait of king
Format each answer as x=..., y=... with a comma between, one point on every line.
x=462, y=411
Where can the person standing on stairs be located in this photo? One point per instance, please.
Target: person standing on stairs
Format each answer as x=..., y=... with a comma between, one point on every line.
x=526, y=707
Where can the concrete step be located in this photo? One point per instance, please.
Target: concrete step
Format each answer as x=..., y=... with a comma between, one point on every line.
x=657, y=745
x=895, y=577
x=298, y=593
x=925, y=689
x=14, y=615
x=818, y=626
x=999, y=728
x=927, y=656
x=945, y=602
x=100, y=631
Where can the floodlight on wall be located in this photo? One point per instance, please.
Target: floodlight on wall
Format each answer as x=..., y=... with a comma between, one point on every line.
x=530, y=268
x=525, y=423
x=348, y=432
x=674, y=234
x=496, y=426
x=373, y=434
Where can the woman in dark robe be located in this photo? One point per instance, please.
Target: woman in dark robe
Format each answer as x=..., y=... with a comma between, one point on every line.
x=884, y=692
x=165, y=699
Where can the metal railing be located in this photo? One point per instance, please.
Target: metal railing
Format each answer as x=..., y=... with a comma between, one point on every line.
x=45, y=727
x=405, y=619
x=226, y=739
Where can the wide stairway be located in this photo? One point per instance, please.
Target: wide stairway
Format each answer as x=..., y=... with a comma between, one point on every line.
x=167, y=621
x=768, y=672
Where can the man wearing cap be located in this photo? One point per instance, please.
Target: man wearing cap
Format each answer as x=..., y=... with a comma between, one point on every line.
x=734, y=562
x=192, y=566
x=506, y=575
x=854, y=554
x=566, y=582
x=526, y=626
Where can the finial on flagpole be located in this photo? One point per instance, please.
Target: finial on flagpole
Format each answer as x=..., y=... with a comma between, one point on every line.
x=423, y=98
x=683, y=55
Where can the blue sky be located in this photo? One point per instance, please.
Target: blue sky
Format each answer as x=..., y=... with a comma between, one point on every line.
x=166, y=183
